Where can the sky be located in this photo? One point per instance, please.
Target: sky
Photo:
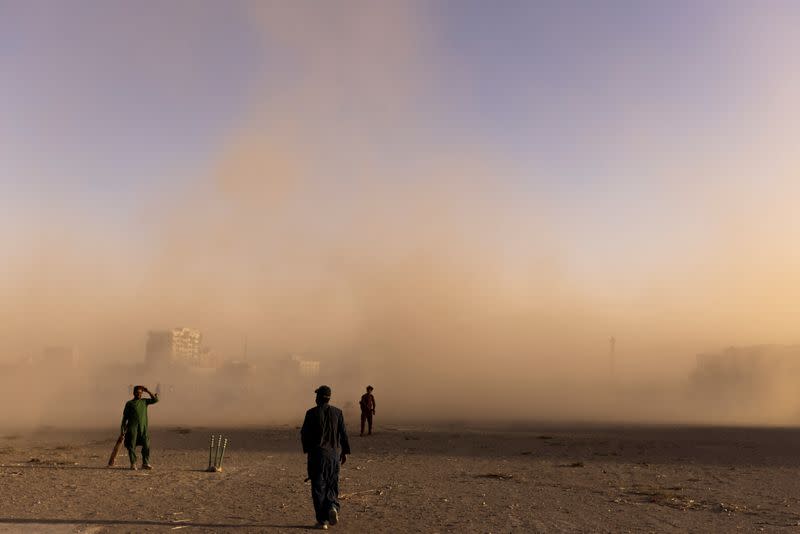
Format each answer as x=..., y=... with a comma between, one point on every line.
x=618, y=168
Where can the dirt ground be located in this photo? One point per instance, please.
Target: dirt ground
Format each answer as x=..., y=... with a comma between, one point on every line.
x=407, y=478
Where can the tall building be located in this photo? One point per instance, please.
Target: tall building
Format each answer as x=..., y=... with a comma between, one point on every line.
x=176, y=346
x=159, y=347
x=186, y=344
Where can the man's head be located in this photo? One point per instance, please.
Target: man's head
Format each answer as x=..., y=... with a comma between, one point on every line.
x=323, y=394
x=138, y=391
x=369, y=389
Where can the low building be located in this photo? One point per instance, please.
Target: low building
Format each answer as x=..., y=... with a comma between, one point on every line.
x=736, y=364
x=299, y=366
x=756, y=382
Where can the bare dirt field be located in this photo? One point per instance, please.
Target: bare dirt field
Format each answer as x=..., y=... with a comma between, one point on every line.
x=405, y=478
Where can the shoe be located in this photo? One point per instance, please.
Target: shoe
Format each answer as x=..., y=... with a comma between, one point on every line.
x=134, y=468
x=333, y=516
x=321, y=526
x=147, y=466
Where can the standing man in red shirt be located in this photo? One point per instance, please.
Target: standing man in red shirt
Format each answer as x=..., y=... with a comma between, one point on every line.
x=367, y=404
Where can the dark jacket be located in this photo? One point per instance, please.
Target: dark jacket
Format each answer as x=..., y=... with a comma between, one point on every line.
x=323, y=428
x=367, y=403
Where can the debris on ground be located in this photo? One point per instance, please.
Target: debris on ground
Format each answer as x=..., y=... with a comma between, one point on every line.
x=375, y=491
x=497, y=476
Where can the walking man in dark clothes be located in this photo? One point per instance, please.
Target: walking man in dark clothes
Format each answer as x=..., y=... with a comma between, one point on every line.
x=134, y=425
x=323, y=436
x=367, y=404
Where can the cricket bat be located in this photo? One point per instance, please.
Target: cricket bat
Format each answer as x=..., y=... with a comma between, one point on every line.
x=117, y=447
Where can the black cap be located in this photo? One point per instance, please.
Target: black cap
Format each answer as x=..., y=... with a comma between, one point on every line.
x=323, y=391
x=370, y=388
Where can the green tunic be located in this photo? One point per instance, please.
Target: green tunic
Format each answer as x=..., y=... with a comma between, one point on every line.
x=134, y=422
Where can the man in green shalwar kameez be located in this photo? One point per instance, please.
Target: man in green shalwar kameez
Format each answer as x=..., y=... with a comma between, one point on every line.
x=134, y=426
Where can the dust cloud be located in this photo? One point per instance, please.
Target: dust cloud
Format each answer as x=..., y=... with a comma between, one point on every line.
x=337, y=225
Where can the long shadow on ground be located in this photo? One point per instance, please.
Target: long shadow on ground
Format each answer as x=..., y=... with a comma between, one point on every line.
x=144, y=523
x=559, y=443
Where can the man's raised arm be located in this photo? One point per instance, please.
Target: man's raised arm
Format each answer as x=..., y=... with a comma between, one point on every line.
x=153, y=398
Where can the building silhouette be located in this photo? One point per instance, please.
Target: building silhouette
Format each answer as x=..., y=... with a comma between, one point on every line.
x=176, y=346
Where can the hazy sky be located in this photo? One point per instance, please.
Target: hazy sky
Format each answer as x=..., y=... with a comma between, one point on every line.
x=643, y=151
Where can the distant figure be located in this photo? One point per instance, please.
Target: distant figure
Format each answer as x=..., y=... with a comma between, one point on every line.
x=134, y=426
x=322, y=435
x=367, y=404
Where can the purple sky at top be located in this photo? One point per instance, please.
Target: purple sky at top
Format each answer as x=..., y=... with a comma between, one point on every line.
x=104, y=104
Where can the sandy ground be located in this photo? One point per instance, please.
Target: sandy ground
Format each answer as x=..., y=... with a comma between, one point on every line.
x=454, y=478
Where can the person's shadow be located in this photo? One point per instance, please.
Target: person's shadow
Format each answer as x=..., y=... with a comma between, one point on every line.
x=54, y=466
x=145, y=523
